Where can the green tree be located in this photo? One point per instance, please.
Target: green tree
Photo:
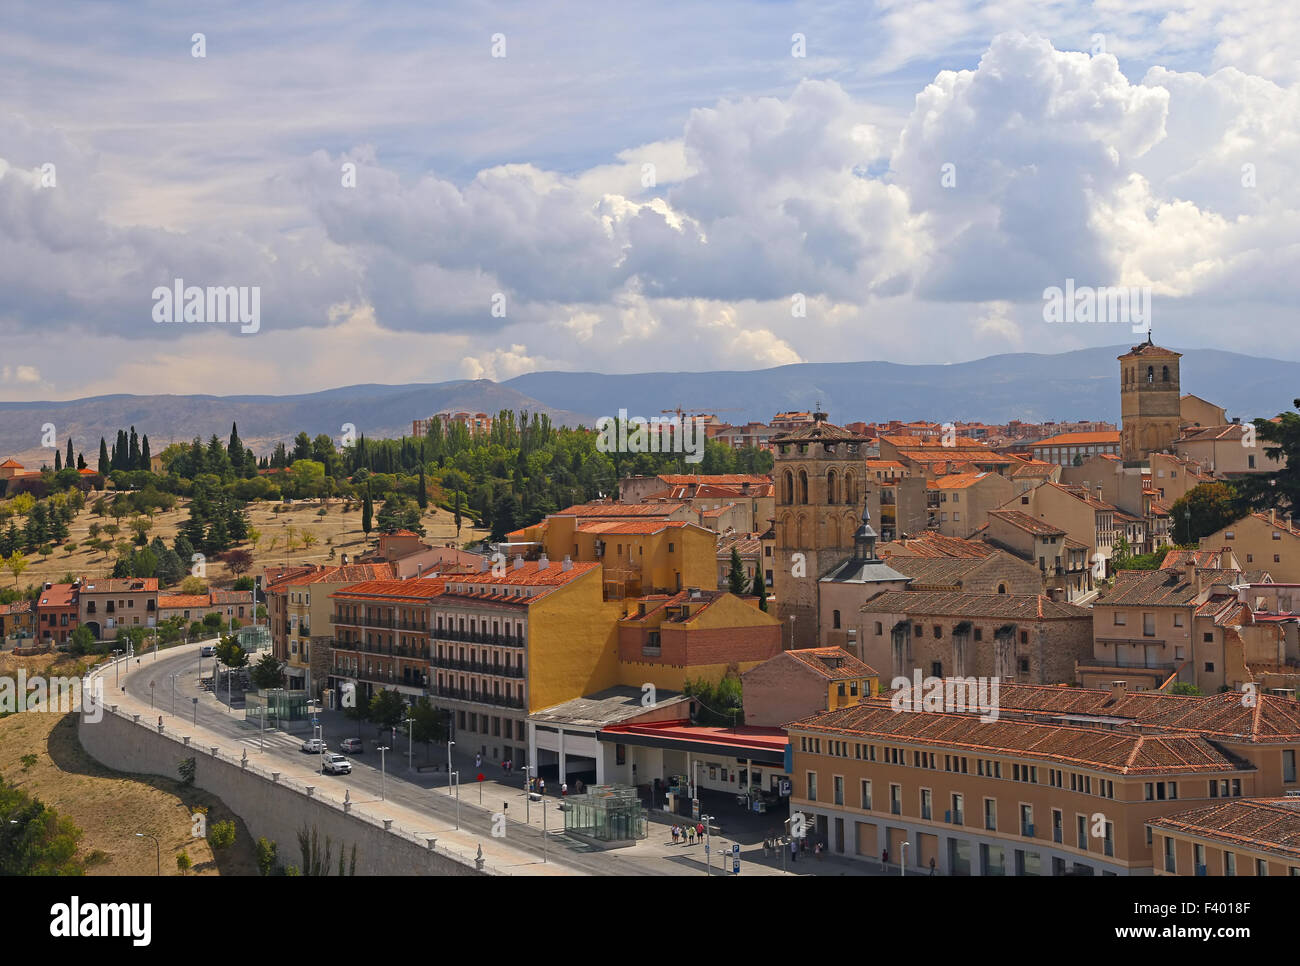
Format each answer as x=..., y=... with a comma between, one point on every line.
x=422, y=495
x=221, y=835
x=1203, y=510
x=35, y=839
x=1280, y=488
x=737, y=582
x=1185, y=687
x=367, y=512
x=759, y=590
x=184, y=863
x=16, y=563
x=429, y=725
x=266, y=855
x=456, y=512
x=268, y=672
x=387, y=709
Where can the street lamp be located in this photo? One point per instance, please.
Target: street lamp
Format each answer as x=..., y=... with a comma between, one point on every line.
x=410, y=739
x=450, y=744
x=151, y=686
x=456, y=774
x=708, y=832
x=157, y=848
x=174, y=677
x=902, y=858
x=382, y=776
x=117, y=653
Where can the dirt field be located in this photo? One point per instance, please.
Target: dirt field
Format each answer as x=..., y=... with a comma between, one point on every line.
x=110, y=807
x=342, y=528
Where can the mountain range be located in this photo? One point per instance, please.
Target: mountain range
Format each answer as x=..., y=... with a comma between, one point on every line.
x=1035, y=387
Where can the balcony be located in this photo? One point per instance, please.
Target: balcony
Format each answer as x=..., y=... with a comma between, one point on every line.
x=466, y=694
x=379, y=622
x=648, y=651
x=475, y=637
x=1057, y=835
x=477, y=667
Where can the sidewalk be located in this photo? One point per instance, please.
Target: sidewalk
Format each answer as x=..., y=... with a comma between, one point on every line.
x=498, y=855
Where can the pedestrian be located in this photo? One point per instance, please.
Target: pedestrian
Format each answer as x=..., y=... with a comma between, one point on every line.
x=541, y=785
x=699, y=829
x=674, y=835
x=794, y=850
x=884, y=856
x=932, y=865
x=478, y=760
x=564, y=789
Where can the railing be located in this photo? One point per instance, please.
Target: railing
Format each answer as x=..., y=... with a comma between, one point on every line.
x=1056, y=836
x=379, y=622
x=475, y=637
x=467, y=694
x=388, y=650
x=478, y=667
x=648, y=651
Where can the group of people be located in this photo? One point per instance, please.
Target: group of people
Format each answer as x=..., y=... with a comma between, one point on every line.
x=688, y=834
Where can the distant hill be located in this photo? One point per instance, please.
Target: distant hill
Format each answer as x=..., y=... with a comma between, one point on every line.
x=1034, y=387
x=1077, y=385
x=374, y=410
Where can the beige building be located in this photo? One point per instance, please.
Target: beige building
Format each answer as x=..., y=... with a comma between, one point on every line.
x=960, y=502
x=1228, y=451
x=1065, y=781
x=300, y=611
x=107, y=604
x=1266, y=541
x=1154, y=627
x=1086, y=518
x=1250, y=837
x=1062, y=563
x=230, y=604
x=1198, y=413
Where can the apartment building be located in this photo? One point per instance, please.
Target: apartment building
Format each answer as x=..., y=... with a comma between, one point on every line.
x=1066, y=781
x=1085, y=517
x=475, y=423
x=104, y=605
x=668, y=640
x=1011, y=637
x=1262, y=540
x=1155, y=625
x=1248, y=837
x=795, y=684
x=300, y=612
x=1227, y=451
x=1062, y=563
x=971, y=575
x=959, y=503
x=1064, y=448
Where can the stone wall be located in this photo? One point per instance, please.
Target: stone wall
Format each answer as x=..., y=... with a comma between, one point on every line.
x=276, y=810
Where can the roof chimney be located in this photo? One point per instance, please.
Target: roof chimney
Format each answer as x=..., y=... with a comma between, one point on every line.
x=1272, y=516
x=519, y=562
x=419, y=571
x=568, y=563
x=543, y=561
x=1118, y=690
x=483, y=565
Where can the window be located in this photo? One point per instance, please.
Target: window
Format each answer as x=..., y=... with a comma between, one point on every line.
x=866, y=794
x=1027, y=820
x=1178, y=619
x=1229, y=863
x=991, y=814
x=1171, y=861
x=1148, y=625
x=1120, y=618
x=926, y=803
x=958, y=815
x=880, y=628
x=1198, y=857
x=1229, y=535
x=839, y=789
x=896, y=799
x=812, y=786
x=1261, y=867
x=1288, y=765
x=938, y=632
x=835, y=617
x=1081, y=831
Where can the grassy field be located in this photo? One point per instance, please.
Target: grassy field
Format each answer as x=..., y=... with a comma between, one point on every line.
x=337, y=530
x=110, y=807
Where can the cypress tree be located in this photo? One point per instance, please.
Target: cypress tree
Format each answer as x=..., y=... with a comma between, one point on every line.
x=423, y=496
x=144, y=452
x=81, y=461
x=58, y=461
x=367, y=512
x=104, y=464
x=759, y=590
x=736, y=579
x=133, y=454
x=67, y=460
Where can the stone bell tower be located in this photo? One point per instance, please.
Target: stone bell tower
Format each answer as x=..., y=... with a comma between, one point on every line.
x=1149, y=401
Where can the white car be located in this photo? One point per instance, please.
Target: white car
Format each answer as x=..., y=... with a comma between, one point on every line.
x=313, y=746
x=337, y=765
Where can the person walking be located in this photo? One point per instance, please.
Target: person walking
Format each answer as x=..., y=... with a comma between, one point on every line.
x=794, y=850
x=541, y=785
x=932, y=865
x=884, y=857
x=564, y=789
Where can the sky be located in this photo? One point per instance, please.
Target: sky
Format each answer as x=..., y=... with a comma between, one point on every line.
x=426, y=192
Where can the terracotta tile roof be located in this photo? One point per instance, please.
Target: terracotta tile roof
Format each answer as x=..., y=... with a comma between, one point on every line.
x=745, y=544
x=930, y=603
x=1252, y=824
x=619, y=510
x=698, y=603
x=1161, y=588
x=11, y=464
x=1224, y=715
x=59, y=595
x=542, y=580
x=171, y=601
x=1119, y=751
x=1229, y=432
x=351, y=574
x=937, y=571
x=392, y=590
x=17, y=607
x=716, y=479
x=1023, y=521
x=817, y=432
x=632, y=527
x=958, y=481
x=832, y=663
x=1177, y=559
x=932, y=544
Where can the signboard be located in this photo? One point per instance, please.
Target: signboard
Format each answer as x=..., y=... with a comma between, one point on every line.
x=695, y=809
x=735, y=865
x=784, y=787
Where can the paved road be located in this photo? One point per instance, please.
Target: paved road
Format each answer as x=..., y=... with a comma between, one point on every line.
x=413, y=790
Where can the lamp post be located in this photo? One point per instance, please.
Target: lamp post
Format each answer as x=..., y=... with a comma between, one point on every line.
x=450, y=776
x=450, y=744
x=902, y=858
x=174, y=676
x=382, y=782
x=792, y=632
x=117, y=653
x=708, y=842
x=410, y=740
x=157, y=848
x=151, y=687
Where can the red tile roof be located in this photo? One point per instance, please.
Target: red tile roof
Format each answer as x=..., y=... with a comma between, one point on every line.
x=832, y=663
x=1251, y=824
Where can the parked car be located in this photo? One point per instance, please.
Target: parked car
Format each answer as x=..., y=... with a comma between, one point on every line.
x=353, y=745
x=208, y=650
x=313, y=746
x=337, y=765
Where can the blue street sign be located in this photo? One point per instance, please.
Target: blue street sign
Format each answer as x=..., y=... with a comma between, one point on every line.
x=735, y=848
x=735, y=866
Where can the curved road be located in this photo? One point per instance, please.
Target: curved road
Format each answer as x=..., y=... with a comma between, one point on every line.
x=365, y=780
